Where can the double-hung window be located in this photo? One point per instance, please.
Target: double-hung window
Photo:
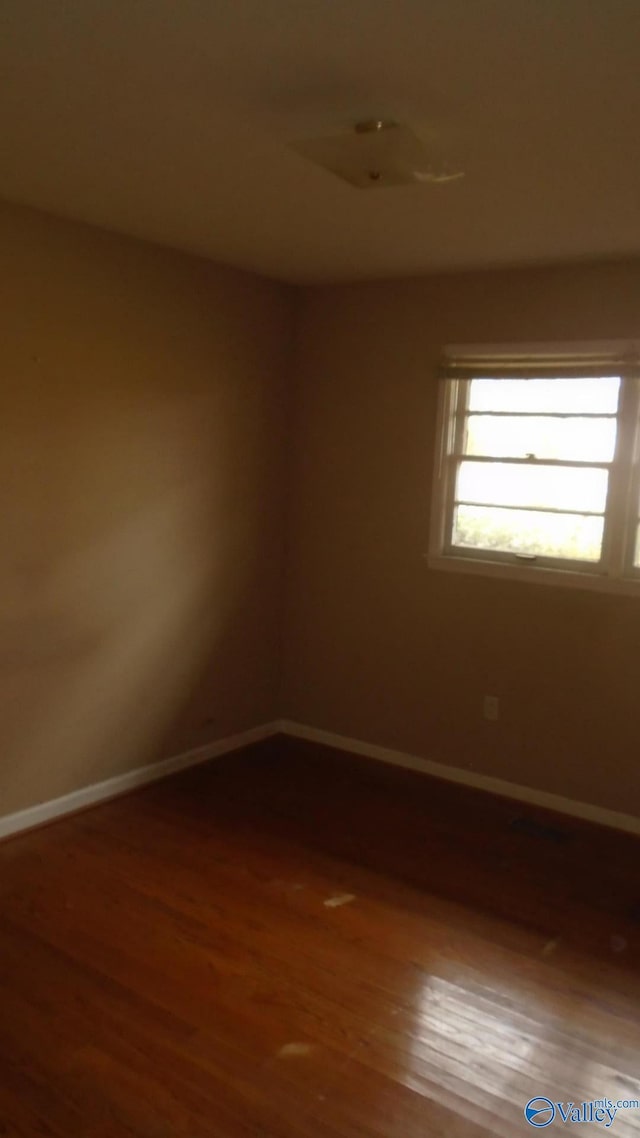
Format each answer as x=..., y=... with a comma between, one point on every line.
x=537, y=464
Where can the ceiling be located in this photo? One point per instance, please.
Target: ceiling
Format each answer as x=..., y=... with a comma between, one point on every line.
x=171, y=119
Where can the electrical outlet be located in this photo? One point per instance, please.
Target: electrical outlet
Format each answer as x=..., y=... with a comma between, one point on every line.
x=491, y=707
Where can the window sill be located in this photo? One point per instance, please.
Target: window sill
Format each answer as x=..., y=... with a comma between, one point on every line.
x=540, y=575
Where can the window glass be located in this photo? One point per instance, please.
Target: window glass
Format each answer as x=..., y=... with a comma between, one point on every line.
x=516, y=436
x=594, y=396
x=531, y=532
x=568, y=488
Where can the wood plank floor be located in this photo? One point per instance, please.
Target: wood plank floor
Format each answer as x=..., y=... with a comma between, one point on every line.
x=170, y=966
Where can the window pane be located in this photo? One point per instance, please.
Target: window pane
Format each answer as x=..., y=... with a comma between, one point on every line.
x=588, y=440
x=528, y=531
x=557, y=487
x=597, y=396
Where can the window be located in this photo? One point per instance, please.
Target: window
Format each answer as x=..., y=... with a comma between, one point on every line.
x=537, y=468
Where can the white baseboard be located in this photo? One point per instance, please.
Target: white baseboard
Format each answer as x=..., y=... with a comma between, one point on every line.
x=121, y=783
x=586, y=810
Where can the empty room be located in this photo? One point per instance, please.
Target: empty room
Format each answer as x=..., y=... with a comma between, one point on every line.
x=320, y=571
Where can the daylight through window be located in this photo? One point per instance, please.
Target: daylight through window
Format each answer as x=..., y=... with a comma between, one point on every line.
x=538, y=462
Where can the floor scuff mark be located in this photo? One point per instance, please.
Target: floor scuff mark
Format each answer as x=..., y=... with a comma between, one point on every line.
x=289, y=1050
x=339, y=899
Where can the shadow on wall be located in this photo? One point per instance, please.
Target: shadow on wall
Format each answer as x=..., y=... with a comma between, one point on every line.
x=122, y=584
x=139, y=508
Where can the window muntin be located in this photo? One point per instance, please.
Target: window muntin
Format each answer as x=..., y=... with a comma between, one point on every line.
x=536, y=471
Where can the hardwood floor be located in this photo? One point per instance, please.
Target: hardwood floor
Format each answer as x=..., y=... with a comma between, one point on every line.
x=170, y=965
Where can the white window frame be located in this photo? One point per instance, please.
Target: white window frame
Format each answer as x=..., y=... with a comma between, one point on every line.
x=616, y=572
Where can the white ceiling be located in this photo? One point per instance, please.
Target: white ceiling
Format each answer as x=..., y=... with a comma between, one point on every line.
x=170, y=119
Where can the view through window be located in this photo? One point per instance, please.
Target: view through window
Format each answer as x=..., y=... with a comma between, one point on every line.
x=540, y=470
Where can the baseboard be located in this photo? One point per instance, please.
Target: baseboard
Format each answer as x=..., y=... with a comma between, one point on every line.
x=120, y=784
x=545, y=799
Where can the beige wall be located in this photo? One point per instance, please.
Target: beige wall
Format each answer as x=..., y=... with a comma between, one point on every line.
x=141, y=442
x=378, y=646
x=145, y=424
